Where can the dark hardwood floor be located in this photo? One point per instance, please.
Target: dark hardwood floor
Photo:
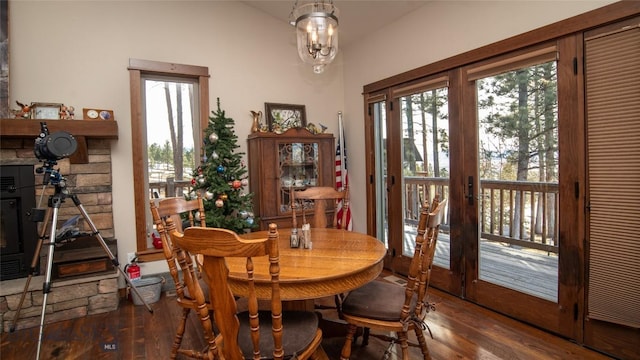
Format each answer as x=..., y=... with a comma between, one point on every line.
x=460, y=329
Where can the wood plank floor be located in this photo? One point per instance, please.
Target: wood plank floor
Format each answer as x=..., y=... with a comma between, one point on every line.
x=461, y=330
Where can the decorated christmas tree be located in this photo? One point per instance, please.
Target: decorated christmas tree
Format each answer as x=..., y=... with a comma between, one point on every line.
x=222, y=177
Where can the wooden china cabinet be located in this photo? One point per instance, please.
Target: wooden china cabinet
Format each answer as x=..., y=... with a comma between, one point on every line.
x=279, y=163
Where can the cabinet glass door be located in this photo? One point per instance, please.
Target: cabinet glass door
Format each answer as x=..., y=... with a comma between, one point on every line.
x=298, y=166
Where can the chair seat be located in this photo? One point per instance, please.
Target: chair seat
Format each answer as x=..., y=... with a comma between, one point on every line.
x=299, y=330
x=377, y=300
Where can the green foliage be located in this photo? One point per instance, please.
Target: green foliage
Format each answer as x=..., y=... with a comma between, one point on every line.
x=520, y=122
x=215, y=177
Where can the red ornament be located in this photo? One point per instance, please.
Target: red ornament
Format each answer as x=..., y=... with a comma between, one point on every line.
x=193, y=181
x=237, y=184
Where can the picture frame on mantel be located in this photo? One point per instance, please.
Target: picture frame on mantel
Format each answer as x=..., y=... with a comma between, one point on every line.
x=282, y=117
x=45, y=111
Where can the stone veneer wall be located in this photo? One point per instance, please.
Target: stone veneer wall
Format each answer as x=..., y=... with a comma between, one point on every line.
x=92, y=184
x=68, y=299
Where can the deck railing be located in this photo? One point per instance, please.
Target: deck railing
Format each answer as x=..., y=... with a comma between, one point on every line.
x=169, y=188
x=521, y=213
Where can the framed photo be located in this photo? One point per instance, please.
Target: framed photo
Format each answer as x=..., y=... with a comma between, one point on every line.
x=48, y=111
x=282, y=117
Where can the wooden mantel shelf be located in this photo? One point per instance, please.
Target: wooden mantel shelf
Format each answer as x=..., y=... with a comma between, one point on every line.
x=80, y=129
x=94, y=129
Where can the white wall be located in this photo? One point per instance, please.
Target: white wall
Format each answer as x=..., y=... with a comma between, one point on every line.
x=436, y=31
x=77, y=52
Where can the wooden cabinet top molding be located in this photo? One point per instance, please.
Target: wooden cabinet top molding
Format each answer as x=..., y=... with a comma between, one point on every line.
x=98, y=129
x=293, y=132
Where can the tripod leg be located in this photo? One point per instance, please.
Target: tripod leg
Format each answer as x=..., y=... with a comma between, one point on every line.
x=56, y=201
x=32, y=270
x=114, y=260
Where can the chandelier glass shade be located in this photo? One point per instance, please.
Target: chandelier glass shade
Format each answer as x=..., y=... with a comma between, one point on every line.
x=317, y=32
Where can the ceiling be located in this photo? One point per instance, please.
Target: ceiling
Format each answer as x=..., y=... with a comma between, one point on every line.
x=357, y=18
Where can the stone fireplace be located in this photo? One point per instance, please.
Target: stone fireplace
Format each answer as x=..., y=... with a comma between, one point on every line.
x=84, y=281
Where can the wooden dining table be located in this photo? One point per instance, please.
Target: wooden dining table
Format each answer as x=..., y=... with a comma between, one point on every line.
x=338, y=261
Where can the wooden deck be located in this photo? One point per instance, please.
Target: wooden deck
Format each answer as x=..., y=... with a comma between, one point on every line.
x=534, y=272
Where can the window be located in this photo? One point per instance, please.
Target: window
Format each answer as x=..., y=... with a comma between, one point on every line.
x=169, y=109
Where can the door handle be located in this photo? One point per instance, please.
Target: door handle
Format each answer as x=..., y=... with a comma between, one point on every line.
x=470, y=190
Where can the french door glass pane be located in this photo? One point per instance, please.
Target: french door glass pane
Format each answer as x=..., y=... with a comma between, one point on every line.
x=380, y=136
x=425, y=156
x=518, y=172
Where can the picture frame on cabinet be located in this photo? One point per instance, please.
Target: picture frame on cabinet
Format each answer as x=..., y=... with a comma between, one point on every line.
x=282, y=117
x=45, y=111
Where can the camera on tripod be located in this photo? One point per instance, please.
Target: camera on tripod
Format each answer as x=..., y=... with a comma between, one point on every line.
x=49, y=148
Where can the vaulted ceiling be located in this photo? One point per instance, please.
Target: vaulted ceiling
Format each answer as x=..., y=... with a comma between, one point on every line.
x=357, y=18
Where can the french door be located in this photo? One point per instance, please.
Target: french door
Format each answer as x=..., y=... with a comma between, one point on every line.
x=487, y=138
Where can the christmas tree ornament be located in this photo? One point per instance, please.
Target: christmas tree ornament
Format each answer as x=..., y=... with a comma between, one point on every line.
x=219, y=203
x=204, y=158
x=213, y=137
x=214, y=155
x=193, y=181
x=196, y=217
x=201, y=180
x=250, y=221
x=208, y=195
x=236, y=184
x=224, y=197
x=244, y=214
x=220, y=169
x=244, y=182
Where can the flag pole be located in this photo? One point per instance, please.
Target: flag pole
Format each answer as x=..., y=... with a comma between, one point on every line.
x=342, y=149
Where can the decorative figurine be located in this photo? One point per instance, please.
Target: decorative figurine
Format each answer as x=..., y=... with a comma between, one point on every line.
x=71, y=110
x=64, y=113
x=24, y=112
x=313, y=128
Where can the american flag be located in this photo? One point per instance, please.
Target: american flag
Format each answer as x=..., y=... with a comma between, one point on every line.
x=341, y=172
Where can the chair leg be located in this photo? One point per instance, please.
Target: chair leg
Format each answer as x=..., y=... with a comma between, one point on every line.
x=346, y=349
x=404, y=344
x=423, y=343
x=177, y=341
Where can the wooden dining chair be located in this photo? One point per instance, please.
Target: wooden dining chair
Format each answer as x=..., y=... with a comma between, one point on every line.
x=388, y=307
x=180, y=211
x=252, y=334
x=320, y=195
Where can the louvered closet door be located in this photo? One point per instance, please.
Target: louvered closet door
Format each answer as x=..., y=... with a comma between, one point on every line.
x=613, y=136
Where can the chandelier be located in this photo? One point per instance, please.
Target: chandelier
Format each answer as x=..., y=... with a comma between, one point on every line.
x=317, y=32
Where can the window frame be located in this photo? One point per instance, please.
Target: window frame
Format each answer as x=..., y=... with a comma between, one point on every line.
x=137, y=70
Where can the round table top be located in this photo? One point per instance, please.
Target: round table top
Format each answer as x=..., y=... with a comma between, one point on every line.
x=339, y=261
